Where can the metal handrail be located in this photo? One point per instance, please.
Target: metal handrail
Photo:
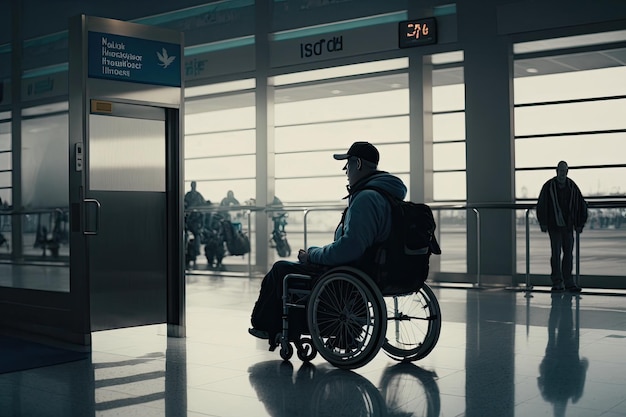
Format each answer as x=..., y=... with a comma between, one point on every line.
x=306, y=214
x=475, y=208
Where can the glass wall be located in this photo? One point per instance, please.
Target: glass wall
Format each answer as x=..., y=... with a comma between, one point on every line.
x=5, y=159
x=220, y=153
x=571, y=106
x=449, y=175
x=5, y=182
x=220, y=145
x=45, y=192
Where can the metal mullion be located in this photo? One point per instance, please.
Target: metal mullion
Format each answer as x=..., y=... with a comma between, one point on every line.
x=570, y=101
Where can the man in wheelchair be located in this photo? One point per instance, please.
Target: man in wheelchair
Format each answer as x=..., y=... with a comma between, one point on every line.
x=365, y=223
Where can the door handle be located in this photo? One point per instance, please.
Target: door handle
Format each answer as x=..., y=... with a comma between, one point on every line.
x=96, y=203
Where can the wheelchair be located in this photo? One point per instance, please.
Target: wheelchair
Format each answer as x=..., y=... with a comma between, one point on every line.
x=349, y=319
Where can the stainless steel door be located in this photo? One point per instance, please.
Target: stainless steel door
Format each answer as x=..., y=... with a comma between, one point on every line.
x=126, y=216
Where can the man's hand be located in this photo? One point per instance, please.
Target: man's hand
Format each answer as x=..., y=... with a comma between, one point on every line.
x=543, y=227
x=579, y=230
x=303, y=256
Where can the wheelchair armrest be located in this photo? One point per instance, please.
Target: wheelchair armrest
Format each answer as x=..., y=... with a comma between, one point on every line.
x=293, y=276
x=301, y=276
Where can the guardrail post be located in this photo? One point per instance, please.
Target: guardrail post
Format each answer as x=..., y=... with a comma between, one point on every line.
x=528, y=287
x=577, y=258
x=477, y=213
x=306, y=215
x=249, y=215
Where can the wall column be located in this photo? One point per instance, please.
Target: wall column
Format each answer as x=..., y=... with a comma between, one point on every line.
x=264, y=101
x=489, y=139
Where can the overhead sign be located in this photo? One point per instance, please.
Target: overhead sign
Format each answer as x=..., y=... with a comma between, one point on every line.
x=123, y=58
x=340, y=44
x=417, y=32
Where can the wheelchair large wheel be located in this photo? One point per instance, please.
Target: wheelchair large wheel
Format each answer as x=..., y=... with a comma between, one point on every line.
x=346, y=318
x=414, y=324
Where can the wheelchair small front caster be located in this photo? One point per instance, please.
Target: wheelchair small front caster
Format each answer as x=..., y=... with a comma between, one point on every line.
x=286, y=351
x=306, y=350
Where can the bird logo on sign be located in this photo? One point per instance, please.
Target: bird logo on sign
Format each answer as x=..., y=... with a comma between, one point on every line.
x=165, y=59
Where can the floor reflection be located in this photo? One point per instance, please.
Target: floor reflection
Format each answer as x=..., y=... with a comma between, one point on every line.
x=562, y=372
x=405, y=390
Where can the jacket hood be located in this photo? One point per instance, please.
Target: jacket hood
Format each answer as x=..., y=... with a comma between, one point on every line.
x=384, y=180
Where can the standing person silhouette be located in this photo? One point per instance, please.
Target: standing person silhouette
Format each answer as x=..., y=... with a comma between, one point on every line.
x=561, y=209
x=194, y=220
x=230, y=199
x=193, y=198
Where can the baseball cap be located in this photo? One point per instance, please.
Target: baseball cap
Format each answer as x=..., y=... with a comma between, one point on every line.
x=363, y=150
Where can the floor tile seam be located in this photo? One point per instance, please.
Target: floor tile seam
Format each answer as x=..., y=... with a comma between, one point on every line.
x=223, y=364
x=200, y=389
x=621, y=405
x=127, y=394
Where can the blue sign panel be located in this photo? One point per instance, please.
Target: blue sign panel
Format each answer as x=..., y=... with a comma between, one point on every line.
x=122, y=58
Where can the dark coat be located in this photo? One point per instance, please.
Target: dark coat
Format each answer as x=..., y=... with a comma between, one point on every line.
x=548, y=208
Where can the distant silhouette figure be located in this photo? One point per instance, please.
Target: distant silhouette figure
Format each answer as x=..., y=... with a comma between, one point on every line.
x=230, y=199
x=562, y=372
x=193, y=198
x=561, y=209
x=193, y=222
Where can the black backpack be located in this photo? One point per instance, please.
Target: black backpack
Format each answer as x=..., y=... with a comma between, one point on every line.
x=400, y=264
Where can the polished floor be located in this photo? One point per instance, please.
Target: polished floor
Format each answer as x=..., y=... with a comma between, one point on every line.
x=500, y=354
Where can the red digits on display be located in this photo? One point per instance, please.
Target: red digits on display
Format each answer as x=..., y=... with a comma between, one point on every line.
x=417, y=30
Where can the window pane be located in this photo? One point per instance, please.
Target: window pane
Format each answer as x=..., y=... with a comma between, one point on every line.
x=601, y=149
x=602, y=82
x=5, y=180
x=337, y=136
x=220, y=168
x=220, y=120
x=448, y=156
x=449, y=186
x=45, y=162
x=5, y=163
x=387, y=103
x=312, y=190
x=219, y=144
x=571, y=117
x=448, y=127
x=343, y=71
x=449, y=97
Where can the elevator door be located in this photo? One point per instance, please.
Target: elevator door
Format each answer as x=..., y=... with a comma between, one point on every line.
x=126, y=219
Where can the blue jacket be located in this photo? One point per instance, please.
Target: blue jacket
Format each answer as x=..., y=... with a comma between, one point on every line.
x=367, y=221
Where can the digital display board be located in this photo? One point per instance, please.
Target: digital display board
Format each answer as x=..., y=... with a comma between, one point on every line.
x=417, y=32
